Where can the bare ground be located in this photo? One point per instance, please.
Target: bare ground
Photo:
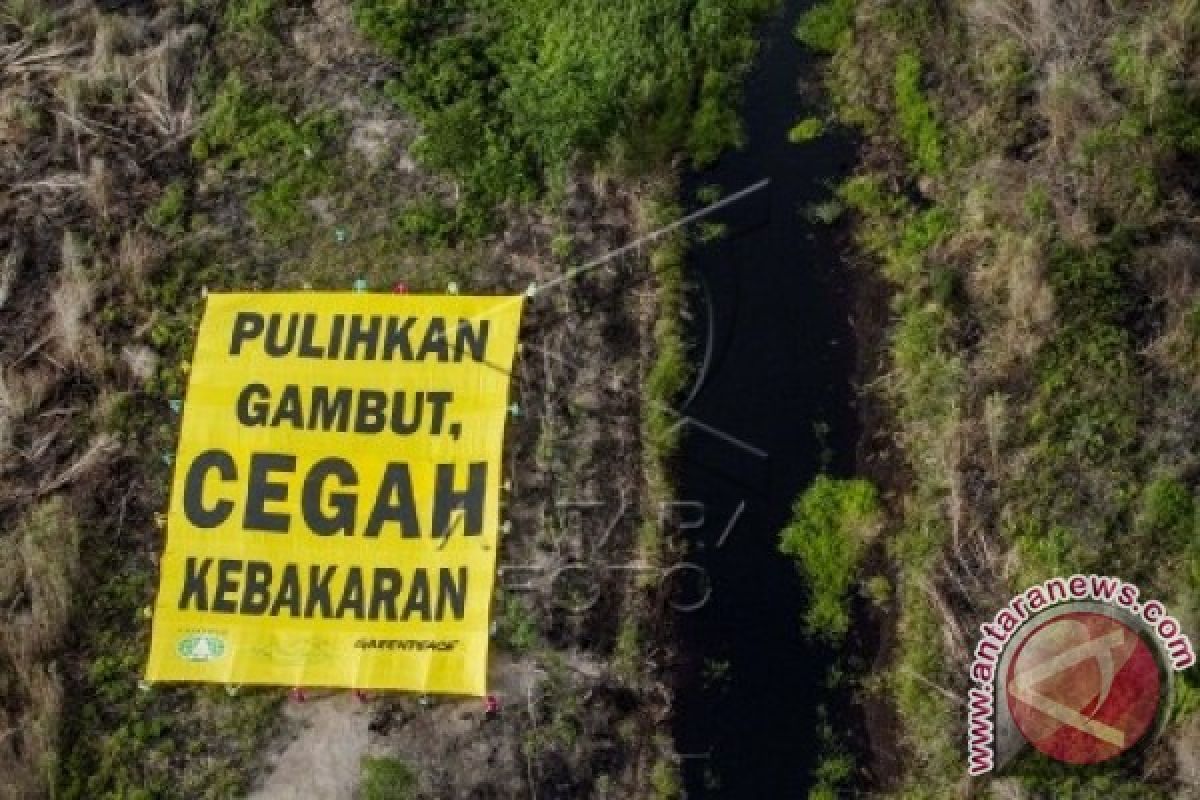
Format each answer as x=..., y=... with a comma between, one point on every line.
x=325, y=757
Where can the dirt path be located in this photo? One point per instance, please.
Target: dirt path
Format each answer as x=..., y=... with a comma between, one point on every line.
x=320, y=755
x=325, y=758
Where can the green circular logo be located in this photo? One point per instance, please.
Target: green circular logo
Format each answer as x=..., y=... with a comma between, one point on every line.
x=201, y=647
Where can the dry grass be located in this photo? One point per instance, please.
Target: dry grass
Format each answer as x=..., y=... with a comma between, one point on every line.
x=70, y=303
x=1058, y=35
x=142, y=362
x=137, y=254
x=1175, y=275
x=1187, y=754
x=32, y=626
x=1090, y=62
x=98, y=188
x=158, y=90
x=1072, y=103
x=1013, y=283
x=7, y=413
x=50, y=550
x=98, y=455
x=8, y=273
x=21, y=392
x=92, y=105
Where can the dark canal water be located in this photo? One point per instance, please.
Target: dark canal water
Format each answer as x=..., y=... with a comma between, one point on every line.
x=777, y=388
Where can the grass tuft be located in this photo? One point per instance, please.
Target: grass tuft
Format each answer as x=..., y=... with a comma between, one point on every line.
x=832, y=523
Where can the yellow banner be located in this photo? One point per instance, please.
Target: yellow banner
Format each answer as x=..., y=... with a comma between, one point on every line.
x=335, y=500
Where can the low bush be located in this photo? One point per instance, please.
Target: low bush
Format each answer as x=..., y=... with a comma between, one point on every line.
x=387, y=779
x=919, y=129
x=827, y=26
x=517, y=624
x=250, y=16
x=168, y=214
x=665, y=780
x=832, y=522
x=1169, y=515
x=509, y=93
x=806, y=130
x=289, y=159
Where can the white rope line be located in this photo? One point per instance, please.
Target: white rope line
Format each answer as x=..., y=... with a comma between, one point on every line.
x=535, y=290
x=663, y=231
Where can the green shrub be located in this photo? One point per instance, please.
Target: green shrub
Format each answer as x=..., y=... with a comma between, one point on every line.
x=715, y=126
x=1084, y=412
x=517, y=625
x=427, y=221
x=1191, y=324
x=34, y=19
x=1185, y=699
x=167, y=214
x=1169, y=515
x=509, y=92
x=919, y=128
x=398, y=27
x=1182, y=123
x=1006, y=71
x=708, y=194
x=918, y=233
x=1043, y=551
x=671, y=369
x=827, y=26
x=250, y=16
x=869, y=195
x=832, y=522
x=806, y=130
x=920, y=664
x=290, y=158
x=1044, y=777
x=928, y=370
x=667, y=377
x=1038, y=205
x=561, y=246
x=1120, y=160
x=833, y=774
x=710, y=231
x=878, y=589
x=1147, y=74
x=387, y=779
x=665, y=782
x=627, y=651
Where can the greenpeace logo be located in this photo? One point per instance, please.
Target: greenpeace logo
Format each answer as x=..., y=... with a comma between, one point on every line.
x=439, y=645
x=200, y=647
